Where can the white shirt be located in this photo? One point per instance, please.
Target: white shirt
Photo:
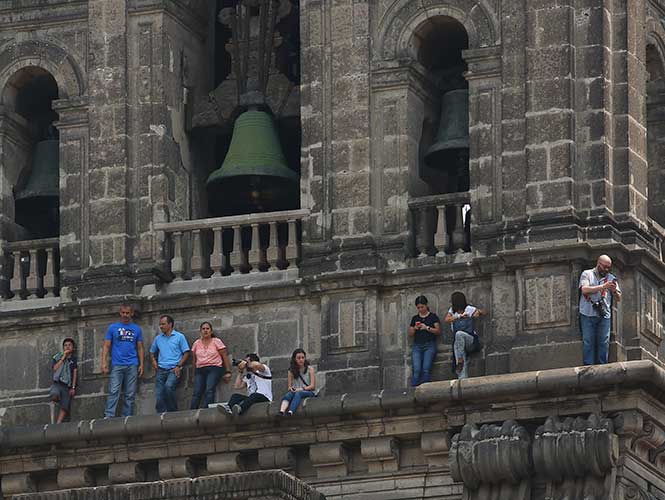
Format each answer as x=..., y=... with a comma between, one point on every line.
x=260, y=385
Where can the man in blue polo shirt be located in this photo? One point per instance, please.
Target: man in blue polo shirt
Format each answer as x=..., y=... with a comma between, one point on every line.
x=125, y=340
x=169, y=353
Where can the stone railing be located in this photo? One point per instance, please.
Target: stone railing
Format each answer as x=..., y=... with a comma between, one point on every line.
x=222, y=246
x=441, y=224
x=30, y=269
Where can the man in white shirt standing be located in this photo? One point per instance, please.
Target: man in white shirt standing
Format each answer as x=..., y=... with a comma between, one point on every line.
x=598, y=288
x=256, y=378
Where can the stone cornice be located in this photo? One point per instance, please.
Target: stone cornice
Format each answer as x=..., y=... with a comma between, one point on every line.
x=328, y=413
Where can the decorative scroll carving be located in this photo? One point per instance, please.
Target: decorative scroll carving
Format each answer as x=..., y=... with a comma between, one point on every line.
x=493, y=462
x=576, y=456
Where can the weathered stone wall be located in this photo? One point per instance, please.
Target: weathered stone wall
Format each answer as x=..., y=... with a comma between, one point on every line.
x=558, y=176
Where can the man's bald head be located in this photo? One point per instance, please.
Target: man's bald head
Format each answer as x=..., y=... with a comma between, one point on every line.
x=604, y=265
x=605, y=260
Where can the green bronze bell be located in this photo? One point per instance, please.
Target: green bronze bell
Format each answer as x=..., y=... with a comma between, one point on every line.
x=453, y=134
x=44, y=181
x=254, y=176
x=37, y=204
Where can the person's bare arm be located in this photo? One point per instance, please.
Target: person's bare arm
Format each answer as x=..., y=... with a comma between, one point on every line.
x=239, y=382
x=72, y=389
x=312, y=380
x=141, y=354
x=412, y=331
x=289, y=381
x=105, y=356
x=479, y=312
x=153, y=359
x=226, y=361
x=449, y=318
x=436, y=329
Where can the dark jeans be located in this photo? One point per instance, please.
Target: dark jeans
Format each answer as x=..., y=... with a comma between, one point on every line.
x=246, y=401
x=595, y=338
x=165, y=390
x=422, y=358
x=206, y=379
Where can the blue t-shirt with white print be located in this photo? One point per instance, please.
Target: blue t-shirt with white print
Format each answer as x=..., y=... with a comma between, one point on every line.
x=123, y=339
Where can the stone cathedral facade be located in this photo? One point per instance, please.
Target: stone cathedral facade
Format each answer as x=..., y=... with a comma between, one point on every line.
x=297, y=172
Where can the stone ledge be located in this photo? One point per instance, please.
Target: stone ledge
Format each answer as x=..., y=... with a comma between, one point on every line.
x=264, y=484
x=500, y=388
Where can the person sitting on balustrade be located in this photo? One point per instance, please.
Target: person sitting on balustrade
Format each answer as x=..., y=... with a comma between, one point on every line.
x=301, y=381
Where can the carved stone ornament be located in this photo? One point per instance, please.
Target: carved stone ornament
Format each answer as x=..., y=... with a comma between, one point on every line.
x=493, y=462
x=576, y=457
x=255, y=80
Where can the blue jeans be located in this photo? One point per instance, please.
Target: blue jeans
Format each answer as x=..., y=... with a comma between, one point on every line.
x=294, y=398
x=596, y=339
x=206, y=379
x=125, y=378
x=422, y=358
x=166, y=383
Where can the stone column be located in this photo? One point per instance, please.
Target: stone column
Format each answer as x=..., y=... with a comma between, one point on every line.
x=337, y=184
x=15, y=155
x=108, y=203
x=73, y=126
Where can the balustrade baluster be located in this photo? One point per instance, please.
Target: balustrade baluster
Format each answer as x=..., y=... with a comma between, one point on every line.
x=16, y=283
x=292, y=245
x=177, y=263
x=458, y=232
x=272, y=252
x=441, y=238
x=217, y=257
x=49, y=275
x=255, y=250
x=422, y=238
x=32, y=280
x=237, y=255
x=198, y=264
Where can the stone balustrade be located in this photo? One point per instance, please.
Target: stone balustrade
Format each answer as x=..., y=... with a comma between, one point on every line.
x=30, y=269
x=441, y=224
x=223, y=246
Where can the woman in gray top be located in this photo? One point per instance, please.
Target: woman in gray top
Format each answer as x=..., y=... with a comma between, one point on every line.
x=301, y=382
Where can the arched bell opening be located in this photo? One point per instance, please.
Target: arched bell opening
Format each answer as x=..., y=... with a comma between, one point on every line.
x=254, y=165
x=36, y=192
x=444, y=144
x=656, y=133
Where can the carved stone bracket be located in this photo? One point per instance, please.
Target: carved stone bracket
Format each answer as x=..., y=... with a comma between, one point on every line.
x=576, y=457
x=493, y=462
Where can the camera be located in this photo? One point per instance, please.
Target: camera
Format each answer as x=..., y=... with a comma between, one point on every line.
x=236, y=362
x=601, y=308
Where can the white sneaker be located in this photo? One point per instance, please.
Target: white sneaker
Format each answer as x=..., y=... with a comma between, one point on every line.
x=226, y=408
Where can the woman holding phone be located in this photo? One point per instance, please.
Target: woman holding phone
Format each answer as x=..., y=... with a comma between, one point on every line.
x=424, y=329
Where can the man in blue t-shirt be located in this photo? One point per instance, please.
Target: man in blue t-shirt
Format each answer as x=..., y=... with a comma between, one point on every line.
x=125, y=340
x=169, y=353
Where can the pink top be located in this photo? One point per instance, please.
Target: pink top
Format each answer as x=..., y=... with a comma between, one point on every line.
x=208, y=356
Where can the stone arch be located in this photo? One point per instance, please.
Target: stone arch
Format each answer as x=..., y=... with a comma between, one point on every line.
x=44, y=54
x=400, y=23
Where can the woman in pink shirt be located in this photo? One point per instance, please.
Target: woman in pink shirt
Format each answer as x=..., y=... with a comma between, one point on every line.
x=212, y=363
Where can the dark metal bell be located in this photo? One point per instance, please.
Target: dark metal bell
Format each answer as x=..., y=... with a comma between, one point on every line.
x=453, y=134
x=37, y=204
x=44, y=181
x=254, y=176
